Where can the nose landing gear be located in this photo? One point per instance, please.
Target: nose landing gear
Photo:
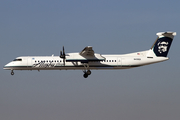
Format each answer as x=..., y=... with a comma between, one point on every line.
x=12, y=73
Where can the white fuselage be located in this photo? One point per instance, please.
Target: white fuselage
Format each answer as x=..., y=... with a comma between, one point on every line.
x=56, y=63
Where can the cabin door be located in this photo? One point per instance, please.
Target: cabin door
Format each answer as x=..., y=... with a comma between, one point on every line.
x=119, y=62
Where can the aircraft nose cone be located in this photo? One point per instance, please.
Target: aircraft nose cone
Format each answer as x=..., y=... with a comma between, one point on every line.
x=7, y=66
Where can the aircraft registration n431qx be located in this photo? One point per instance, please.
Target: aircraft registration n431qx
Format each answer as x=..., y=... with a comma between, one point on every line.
x=88, y=60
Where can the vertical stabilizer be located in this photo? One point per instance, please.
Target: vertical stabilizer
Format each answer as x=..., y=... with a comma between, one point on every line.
x=162, y=44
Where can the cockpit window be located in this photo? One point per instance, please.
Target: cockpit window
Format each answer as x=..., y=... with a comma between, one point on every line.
x=17, y=60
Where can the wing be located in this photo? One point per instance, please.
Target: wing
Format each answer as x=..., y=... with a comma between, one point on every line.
x=89, y=55
x=87, y=51
x=86, y=55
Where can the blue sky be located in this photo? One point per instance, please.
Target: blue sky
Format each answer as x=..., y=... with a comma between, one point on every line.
x=42, y=27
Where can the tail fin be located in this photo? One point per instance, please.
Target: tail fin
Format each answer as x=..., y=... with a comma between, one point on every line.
x=162, y=44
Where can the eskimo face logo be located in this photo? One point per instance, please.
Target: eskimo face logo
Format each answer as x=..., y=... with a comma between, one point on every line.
x=162, y=46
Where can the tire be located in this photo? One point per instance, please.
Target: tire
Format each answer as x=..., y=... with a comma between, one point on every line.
x=85, y=75
x=88, y=72
x=12, y=73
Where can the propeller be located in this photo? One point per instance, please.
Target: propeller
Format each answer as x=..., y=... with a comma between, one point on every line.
x=63, y=55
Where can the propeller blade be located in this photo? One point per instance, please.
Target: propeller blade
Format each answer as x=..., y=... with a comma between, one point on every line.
x=63, y=55
x=64, y=61
x=60, y=53
x=63, y=51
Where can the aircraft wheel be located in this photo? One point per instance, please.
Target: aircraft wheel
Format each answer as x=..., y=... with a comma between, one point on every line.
x=85, y=75
x=12, y=73
x=88, y=72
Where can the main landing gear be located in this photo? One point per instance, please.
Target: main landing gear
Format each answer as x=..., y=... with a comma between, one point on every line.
x=86, y=71
x=12, y=73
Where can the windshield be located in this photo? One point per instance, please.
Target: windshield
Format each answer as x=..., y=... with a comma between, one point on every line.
x=17, y=60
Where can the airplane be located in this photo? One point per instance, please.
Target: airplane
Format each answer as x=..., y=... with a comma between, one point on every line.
x=88, y=60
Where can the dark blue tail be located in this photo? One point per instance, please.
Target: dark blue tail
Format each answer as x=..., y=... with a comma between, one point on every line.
x=163, y=43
